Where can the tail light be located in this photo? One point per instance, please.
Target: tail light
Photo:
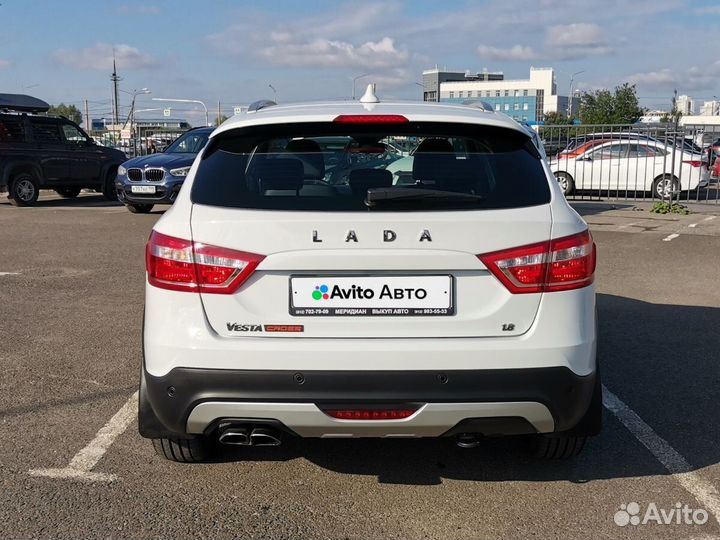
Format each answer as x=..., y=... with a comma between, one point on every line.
x=182, y=265
x=370, y=414
x=557, y=265
x=695, y=163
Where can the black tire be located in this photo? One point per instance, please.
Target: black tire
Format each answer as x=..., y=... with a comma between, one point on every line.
x=558, y=447
x=108, y=187
x=68, y=192
x=139, y=208
x=569, y=444
x=24, y=190
x=665, y=186
x=567, y=184
x=182, y=450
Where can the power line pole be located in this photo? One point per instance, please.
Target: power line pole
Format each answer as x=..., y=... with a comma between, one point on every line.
x=88, y=124
x=116, y=95
x=219, y=114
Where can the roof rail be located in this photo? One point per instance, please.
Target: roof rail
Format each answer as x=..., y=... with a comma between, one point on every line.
x=260, y=104
x=484, y=105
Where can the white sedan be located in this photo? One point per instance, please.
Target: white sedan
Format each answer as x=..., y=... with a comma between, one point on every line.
x=630, y=165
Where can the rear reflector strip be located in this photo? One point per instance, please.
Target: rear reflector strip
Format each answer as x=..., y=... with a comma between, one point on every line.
x=370, y=414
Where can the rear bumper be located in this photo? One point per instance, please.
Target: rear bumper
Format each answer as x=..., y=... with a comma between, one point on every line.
x=190, y=401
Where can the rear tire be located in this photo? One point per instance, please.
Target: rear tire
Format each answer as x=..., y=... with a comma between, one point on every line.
x=68, y=192
x=24, y=190
x=139, y=208
x=182, y=450
x=666, y=186
x=108, y=187
x=558, y=447
x=567, y=184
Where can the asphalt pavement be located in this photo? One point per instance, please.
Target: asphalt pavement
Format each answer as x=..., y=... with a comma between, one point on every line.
x=71, y=296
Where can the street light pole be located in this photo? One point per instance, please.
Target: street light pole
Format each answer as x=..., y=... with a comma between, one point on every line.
x=174, y=100
x=570, y=96
x=134, y=94
x=271, y=87
x=354, y=81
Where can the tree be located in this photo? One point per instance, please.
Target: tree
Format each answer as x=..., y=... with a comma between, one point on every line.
x=71, y=112
x=606, y=107
x=556, y=119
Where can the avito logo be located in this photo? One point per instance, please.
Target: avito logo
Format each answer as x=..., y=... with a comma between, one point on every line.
x=355, y=292
x=320, y=292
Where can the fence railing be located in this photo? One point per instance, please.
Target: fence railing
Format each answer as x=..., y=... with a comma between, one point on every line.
x=146, y=140
x=635, y=162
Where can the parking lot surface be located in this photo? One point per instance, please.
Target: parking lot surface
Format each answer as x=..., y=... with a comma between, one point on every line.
x=71, y=297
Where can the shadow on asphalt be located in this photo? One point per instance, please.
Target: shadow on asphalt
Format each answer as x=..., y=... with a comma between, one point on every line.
x=662, y=360
x=83, y=200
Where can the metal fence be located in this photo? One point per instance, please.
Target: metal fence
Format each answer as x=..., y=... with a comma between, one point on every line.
x=676, y=164
x=145, y=140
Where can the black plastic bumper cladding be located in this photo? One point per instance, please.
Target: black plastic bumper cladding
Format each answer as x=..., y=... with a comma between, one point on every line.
x=166, y=402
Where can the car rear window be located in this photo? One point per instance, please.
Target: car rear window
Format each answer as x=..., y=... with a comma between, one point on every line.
x=366, y=167
x=12, y=129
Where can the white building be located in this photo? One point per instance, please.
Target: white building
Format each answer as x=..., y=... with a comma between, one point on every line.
x=710, y=108
x=685, y=105
x=522, y=99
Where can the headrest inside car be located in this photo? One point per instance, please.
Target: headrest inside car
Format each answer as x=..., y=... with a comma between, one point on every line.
x=279, y=174
x=310, y=154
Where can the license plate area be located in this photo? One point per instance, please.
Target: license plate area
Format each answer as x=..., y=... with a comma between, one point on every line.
x=372, y=296
x=142, y=189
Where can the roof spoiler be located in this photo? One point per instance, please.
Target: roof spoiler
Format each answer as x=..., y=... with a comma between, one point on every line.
x=484, y=105
x=260, y=104
x=22, y=103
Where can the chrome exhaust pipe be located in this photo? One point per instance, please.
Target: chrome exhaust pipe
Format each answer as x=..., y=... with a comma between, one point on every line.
x=262, y=436
x=467, y=440
x=237, y=436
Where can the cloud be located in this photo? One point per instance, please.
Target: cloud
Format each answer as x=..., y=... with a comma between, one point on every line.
x=689, y=79
x=707, y=10
x=576, y=40
x=382, y=54
x=516, y=53
x=661, y=77
x=100, y=57
x=4, y=64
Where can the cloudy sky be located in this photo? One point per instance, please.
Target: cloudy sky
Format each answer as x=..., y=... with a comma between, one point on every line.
x=232, y=50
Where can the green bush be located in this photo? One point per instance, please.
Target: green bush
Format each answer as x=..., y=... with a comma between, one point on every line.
x=663, y=207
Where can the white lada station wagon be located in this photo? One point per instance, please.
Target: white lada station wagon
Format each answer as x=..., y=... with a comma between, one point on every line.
x=369, y=269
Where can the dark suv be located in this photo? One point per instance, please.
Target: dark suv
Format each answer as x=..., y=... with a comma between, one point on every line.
x=44, y=152
x=145, y=181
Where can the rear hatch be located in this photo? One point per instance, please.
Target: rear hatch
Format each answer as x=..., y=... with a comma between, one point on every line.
x=347, y=246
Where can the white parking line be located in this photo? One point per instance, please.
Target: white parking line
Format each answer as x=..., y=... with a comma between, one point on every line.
x=670, y=237
x=693, y=225
x=677, y=466
x=80, y=466
x=9, y=273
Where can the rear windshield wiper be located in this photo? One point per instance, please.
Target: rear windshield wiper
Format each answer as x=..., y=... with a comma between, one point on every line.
x=380, y=195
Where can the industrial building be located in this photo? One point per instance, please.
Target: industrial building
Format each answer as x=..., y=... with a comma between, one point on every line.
x=522, y=99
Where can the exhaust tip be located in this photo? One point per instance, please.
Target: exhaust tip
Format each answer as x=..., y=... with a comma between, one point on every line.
x=265, y=437
x=467, y=440
x=235, y=436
